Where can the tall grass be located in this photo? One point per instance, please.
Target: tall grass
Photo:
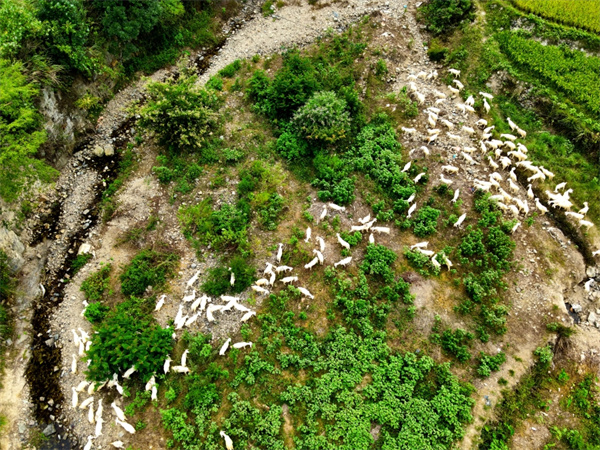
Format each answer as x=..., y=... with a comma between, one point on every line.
x=579, y=13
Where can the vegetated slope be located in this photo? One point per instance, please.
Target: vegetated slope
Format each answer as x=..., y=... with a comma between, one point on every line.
x=580, y=13
x=376, y=350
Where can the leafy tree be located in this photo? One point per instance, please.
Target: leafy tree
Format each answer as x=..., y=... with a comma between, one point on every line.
x=20, y=132
x=126, y=21
x=324, y=118
x=378, y=261
x=66, y=32
x=441, y=15
x=17, y=22
x=127, y=337
x=147, y=268
x=180, y=113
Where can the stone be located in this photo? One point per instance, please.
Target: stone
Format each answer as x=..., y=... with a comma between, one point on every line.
x=84, y=249
x=98, y=151
x=13, y=247
x=592, y=271
x=109, y=150
x=49, y=430
x=592, y=318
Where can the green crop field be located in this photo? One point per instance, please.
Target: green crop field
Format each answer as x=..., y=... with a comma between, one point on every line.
x=580, y=13
x=571, y=71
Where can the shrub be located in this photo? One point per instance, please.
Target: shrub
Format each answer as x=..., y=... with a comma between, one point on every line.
x=97, y=283
x=544, y=355
x=489, y=364
x=292, y=86
x=231, y=69
x=127, y=337
x=79, y=262
x=291, y=146
x=456, y=343
x=425, y=222
x=180, y=113
x=323, y=118
x=96, y=312
x=217, y=282
x=21, y=133
x=66, y=32
x=442, y=15
x=378, y=261
x=147, y=268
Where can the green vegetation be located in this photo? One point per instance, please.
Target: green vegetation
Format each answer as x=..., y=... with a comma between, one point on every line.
x=7, y=286
x=489, y=363
x=324, y=117
x=128, y=336
x=96, y=284
x=569, y=71
x=147, y=268
x=80, y=261
x=442, y=15
x=580, y=13
x=96, y=312
x=218, y=281
x=21, y=132
x=180, y=113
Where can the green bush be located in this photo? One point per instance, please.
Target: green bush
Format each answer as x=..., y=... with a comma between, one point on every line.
x=323, y=118
x=456, y=343
x=147, y=268
x=425, y=222
x=489, y=363
x=218, y=280
x=231, y=69
x=291, y=146
x=18, y=23
x=21, y=132
x=290, y=89
x=442, y=15
x=66, y=33
x=96, y=312
x=379, y=261
x=128, y=337
x=544, y=355
x=181, y=114
x=95, y=285
x=79, y=262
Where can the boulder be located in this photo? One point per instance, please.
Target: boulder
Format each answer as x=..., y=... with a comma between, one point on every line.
x=13, y=247
x=84, y=249
x=98, y=150
x=109, y=150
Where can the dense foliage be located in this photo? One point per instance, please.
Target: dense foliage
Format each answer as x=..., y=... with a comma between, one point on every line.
x=96, y=284
x=323, y=118
x=128, y=337
x=441, y=15
x=21, y=133
x=147, y=268
x=180, y=113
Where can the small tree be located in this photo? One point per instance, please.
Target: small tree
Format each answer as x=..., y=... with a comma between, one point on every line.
x=180, y=113
x=442, y=15
x=324, y=118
